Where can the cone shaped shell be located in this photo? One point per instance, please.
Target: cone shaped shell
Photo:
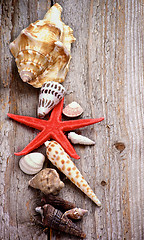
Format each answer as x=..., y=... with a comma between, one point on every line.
x=47, y=181
x=73, y=110
x=51, y=94
x=42, y=50
x=32, y=163
x=53, y=218
x=62, y=161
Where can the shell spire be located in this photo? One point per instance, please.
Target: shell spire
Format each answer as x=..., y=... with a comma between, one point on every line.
x=62, y=161
x=42, y=50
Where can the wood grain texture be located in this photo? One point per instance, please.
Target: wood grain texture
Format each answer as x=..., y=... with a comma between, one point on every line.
x=106, y=79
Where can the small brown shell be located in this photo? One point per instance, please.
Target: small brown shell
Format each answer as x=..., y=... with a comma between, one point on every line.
x=47, y=181
x=53, y=218
x=73, y=110
x=57, y=202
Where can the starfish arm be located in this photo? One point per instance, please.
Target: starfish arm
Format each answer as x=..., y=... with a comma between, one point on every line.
x=57, y=111
x=74, y=124
x=35, y=143
x=29, y=121
x=64, y=142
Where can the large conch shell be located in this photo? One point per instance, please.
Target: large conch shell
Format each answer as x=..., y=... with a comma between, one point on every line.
x=42, y=50
x=62, y=161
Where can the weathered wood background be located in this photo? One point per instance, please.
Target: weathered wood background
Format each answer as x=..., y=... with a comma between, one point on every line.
x=106, y=79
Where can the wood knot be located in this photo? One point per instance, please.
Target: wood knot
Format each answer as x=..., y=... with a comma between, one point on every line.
x=120, y=146
x=103, y=183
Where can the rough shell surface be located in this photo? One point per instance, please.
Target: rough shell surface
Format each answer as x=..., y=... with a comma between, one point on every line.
x=53, y=218
x=50, y=95
x=79, y=139
x=32, y=163
x=42, y=50
x=62, y=161
x=75, y=213
x=57, y=202
x=73, y=110
x=47, y=181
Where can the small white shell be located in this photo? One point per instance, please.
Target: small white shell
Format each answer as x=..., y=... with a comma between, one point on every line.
x=32, y=163
x=79, y=139
x=75, y=213
x=51, y=94
x=73, y=110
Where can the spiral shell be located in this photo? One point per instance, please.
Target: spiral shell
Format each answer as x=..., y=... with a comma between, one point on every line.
x=54, y=218
x=51, y=94
x=42, y=50
x=47, y=181
x=32, y=163
x=62, y=161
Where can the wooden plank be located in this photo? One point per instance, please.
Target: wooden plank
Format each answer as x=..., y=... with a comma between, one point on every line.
x=17, y=200
x=106, y=79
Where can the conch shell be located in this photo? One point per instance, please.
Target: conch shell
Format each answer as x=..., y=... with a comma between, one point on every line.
x=42, y=50
x=47, y=181
x=54, y=218
x=32, y=163
x=62, y=161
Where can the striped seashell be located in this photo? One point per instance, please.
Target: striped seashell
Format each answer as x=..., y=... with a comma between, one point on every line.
x=50, y=95
x=32, y=163
x=62, y=161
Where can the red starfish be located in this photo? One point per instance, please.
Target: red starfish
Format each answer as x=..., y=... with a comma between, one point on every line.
x=52, y=128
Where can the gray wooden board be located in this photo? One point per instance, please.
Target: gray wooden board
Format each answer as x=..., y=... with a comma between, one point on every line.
x=106, y=79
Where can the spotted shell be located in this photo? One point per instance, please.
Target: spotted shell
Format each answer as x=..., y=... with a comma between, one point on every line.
x=50, y=95
x=42, y=50
x=32, y=163
x=62, y=161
